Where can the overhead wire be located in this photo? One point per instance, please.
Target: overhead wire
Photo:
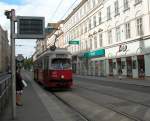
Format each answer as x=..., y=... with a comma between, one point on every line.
x=68, y=9
x=57, y=8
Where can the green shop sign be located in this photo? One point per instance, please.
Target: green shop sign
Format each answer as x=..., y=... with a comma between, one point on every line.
x=74, y=42
x=95, y=53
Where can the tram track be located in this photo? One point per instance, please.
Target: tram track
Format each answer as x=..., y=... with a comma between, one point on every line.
x=104, y=106
x=113, y=106
x=81, y=115
x=122, y=98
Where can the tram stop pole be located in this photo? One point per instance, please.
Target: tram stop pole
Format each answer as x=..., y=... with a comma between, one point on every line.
x=13, y=65
x=12, y=18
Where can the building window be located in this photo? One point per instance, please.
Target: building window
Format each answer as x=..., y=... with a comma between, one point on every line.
x=137, y=1
x=99, y=18
x=85, y=27
x=86, y=44
x=95, y=42
x=93, y=1
x=94, y=21
x=81, y=29
x=85, y=9
x=139, y=26
x=109, y=37
x=108, y=13
x=89, y=5
x=89, y=24
x=127, y=30
x=100, y=40
x=123, y=64
x=91, y=44
x=126, y=4
x=118, y=34
x=116, y=8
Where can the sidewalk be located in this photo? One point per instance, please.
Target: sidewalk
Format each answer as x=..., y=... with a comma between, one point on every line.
x=113, y=79
x=32, y=109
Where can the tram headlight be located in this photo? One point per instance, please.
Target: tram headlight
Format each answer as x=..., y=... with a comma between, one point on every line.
x=62, y=76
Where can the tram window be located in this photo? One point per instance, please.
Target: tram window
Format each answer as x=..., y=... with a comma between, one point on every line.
x=61, y=63
x=40, y=64
x=46, y=63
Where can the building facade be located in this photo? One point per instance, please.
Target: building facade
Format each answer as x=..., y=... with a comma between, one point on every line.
x=112, y=35
x=4, y=51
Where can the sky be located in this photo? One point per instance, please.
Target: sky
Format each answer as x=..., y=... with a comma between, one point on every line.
x=44, y=8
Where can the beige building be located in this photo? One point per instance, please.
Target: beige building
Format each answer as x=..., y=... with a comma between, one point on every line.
x=112, y=35
x=4, y=51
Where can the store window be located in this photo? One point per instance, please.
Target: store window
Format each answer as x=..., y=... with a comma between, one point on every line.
x=114, y=65
x=123, y=64
x=134, y=64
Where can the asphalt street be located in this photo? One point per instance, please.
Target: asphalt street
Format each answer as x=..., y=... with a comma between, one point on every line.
x=88, y=100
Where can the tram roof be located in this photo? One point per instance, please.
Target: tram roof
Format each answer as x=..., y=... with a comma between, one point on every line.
x=57, y=51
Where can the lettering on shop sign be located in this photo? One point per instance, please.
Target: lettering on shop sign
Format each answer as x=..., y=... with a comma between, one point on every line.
x=122, y=48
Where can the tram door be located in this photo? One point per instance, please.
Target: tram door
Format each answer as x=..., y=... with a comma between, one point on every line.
x=129, y=66
x=141, y=66
x=46, y=69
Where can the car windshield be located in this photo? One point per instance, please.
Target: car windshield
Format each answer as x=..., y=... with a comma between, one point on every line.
x=60, y=63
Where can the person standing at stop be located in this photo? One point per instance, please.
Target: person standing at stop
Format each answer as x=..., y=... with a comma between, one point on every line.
x=19, y=87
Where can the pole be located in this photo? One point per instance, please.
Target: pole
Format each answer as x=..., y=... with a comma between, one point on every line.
x=13, y=64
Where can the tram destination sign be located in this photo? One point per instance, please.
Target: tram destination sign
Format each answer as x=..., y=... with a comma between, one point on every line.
x=30, y=27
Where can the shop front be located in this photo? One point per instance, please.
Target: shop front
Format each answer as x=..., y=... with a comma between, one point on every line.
x=129, y=58
x=95, y=62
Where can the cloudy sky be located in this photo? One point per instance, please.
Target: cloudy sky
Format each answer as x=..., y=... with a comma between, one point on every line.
x=45, y=8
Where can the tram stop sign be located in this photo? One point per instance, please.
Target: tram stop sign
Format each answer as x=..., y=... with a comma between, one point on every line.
x=30, y=27
x=20, y=57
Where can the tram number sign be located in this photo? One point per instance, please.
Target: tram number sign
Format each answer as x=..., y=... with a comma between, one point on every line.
x=30, y=27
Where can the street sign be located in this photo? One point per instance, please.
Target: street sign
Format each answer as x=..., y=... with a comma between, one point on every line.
x=74, y=42
x=30, y=27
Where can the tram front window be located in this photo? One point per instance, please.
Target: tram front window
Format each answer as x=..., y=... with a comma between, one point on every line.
x=61, y=63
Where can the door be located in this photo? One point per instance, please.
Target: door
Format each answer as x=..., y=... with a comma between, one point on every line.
x=110, y=67
x=141, y=66
x=118, y=65
x=129, y=66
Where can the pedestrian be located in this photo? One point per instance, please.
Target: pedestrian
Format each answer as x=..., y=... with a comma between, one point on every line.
x=19, y=87
x=142, y=73
x=120, y=73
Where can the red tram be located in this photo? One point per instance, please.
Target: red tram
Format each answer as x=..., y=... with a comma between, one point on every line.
x=53, y=68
